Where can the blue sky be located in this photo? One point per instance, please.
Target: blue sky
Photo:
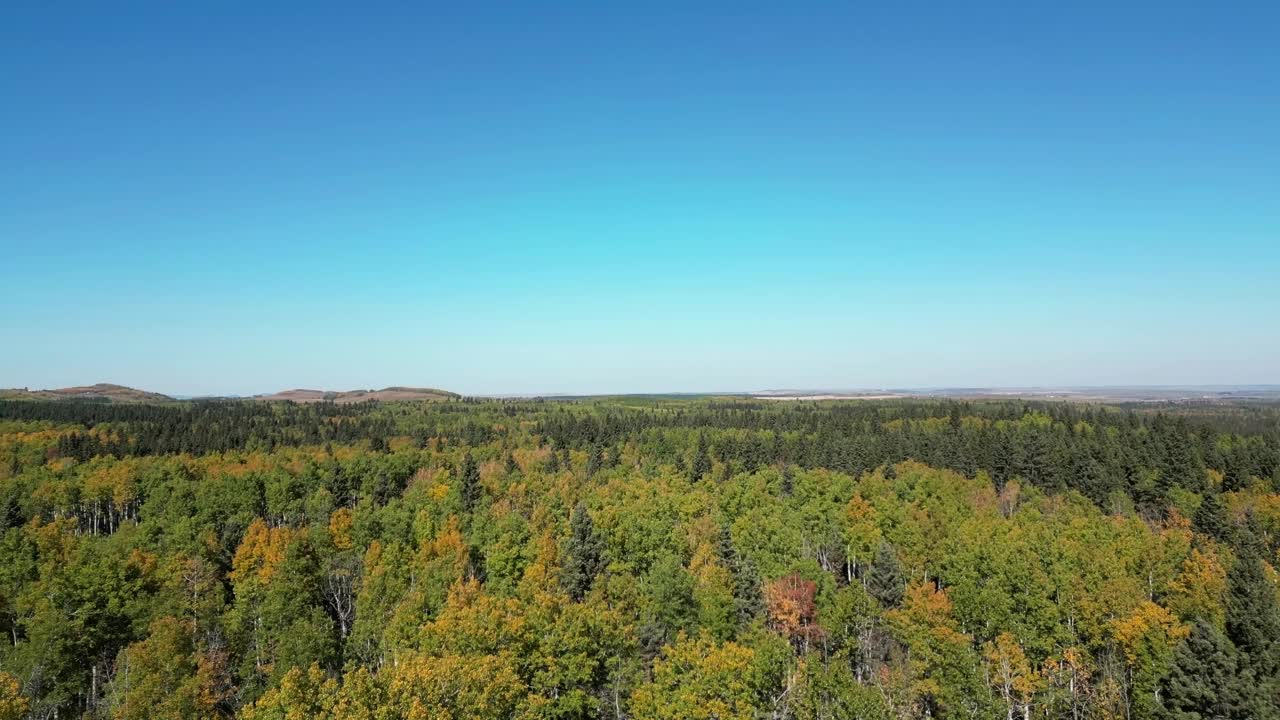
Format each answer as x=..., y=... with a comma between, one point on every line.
x=564, y=197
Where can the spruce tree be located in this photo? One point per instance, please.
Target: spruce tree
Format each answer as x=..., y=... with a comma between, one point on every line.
x=584, y=554
x=1253, y=614
x=470, y=488
x=1206, y=680
x=1211, y=519
x=512, y=466
x=884, y=578
x=748, y=599
x=701, y=461
x=595, y=460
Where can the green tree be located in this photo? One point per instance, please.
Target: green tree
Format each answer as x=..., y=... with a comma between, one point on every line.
x=701, y=464
x=469, y=490
x=884, y=579
x=583, y=554
x=1206, y=680
x=748, y=598
x=1211, y=518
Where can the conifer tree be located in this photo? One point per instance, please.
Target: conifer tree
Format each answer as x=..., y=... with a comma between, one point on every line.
x=584, y=554
x=1206, y=680
x=701, y=461
x=470, y=488
x=748, y=598
x=1253, y=614
x=1211, y=518
x=595, y=460
x=884, y=579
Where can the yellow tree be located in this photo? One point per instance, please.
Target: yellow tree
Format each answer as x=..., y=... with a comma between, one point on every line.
x=1011, y=674
x=1199, y=588
x=696, y=679
x=13, y=706
x=159, y=678
x=1148, y=637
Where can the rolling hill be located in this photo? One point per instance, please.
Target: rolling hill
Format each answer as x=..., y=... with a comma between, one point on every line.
x=99, y=392
x=353, y=396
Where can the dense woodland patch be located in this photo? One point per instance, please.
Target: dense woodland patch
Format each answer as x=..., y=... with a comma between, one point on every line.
x=639, y=558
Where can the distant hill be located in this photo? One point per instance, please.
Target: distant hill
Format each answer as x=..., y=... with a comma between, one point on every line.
x=100, y=392
x=354, y=396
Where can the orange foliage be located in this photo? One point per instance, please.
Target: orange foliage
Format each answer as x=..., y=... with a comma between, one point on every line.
x=792, y=608
x=260, y=553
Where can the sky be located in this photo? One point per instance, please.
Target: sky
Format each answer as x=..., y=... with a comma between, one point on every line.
x=597, y=197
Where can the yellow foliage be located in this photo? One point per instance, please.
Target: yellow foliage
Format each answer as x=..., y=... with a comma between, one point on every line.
x=340, y=528
x=699, y=680
x=1149, y=623
x=13, y=706
x=1199, y=587
x=260, y=552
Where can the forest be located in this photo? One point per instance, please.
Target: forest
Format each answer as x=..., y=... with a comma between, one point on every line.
x=639, y=557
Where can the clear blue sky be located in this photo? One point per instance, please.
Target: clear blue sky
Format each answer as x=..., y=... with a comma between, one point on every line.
x=583, y=197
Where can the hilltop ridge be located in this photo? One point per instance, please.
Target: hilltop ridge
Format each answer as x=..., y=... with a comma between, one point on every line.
x=396, y=392
x=108, y=392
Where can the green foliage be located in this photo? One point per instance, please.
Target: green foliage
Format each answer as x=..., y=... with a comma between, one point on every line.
x=1206, y=680
x=884, y=579
x=643, y=558
x=584, y=554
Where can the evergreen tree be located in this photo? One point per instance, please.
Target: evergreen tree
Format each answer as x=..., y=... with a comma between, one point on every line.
x=1206, y=680
x=1253, y=614
x=670, y=607
x=512, y=466
x=584, y=554
x=595, y=460
x=788, y=481
x=748, y=599
x=1211, y=518
x=470, y=488
x=884, y=578
x=553, y=462
x=701, y=461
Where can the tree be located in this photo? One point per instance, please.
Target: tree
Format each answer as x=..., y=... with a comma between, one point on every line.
x=470, y=483
x=13, y=706
x=553, y=462
x=583, y=554
x=160, y=677
x=1211, y=519
x=695, y=679
x=1206, y=679
x=1253, y=625
x=701, y=464
x=595, y=461
x=788, y=481
x=792, y=610
x=1253, y=612
x=884, y=579
x=747, y=598
x=1147, y=636
x=1011, y=674
x=669, y=607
